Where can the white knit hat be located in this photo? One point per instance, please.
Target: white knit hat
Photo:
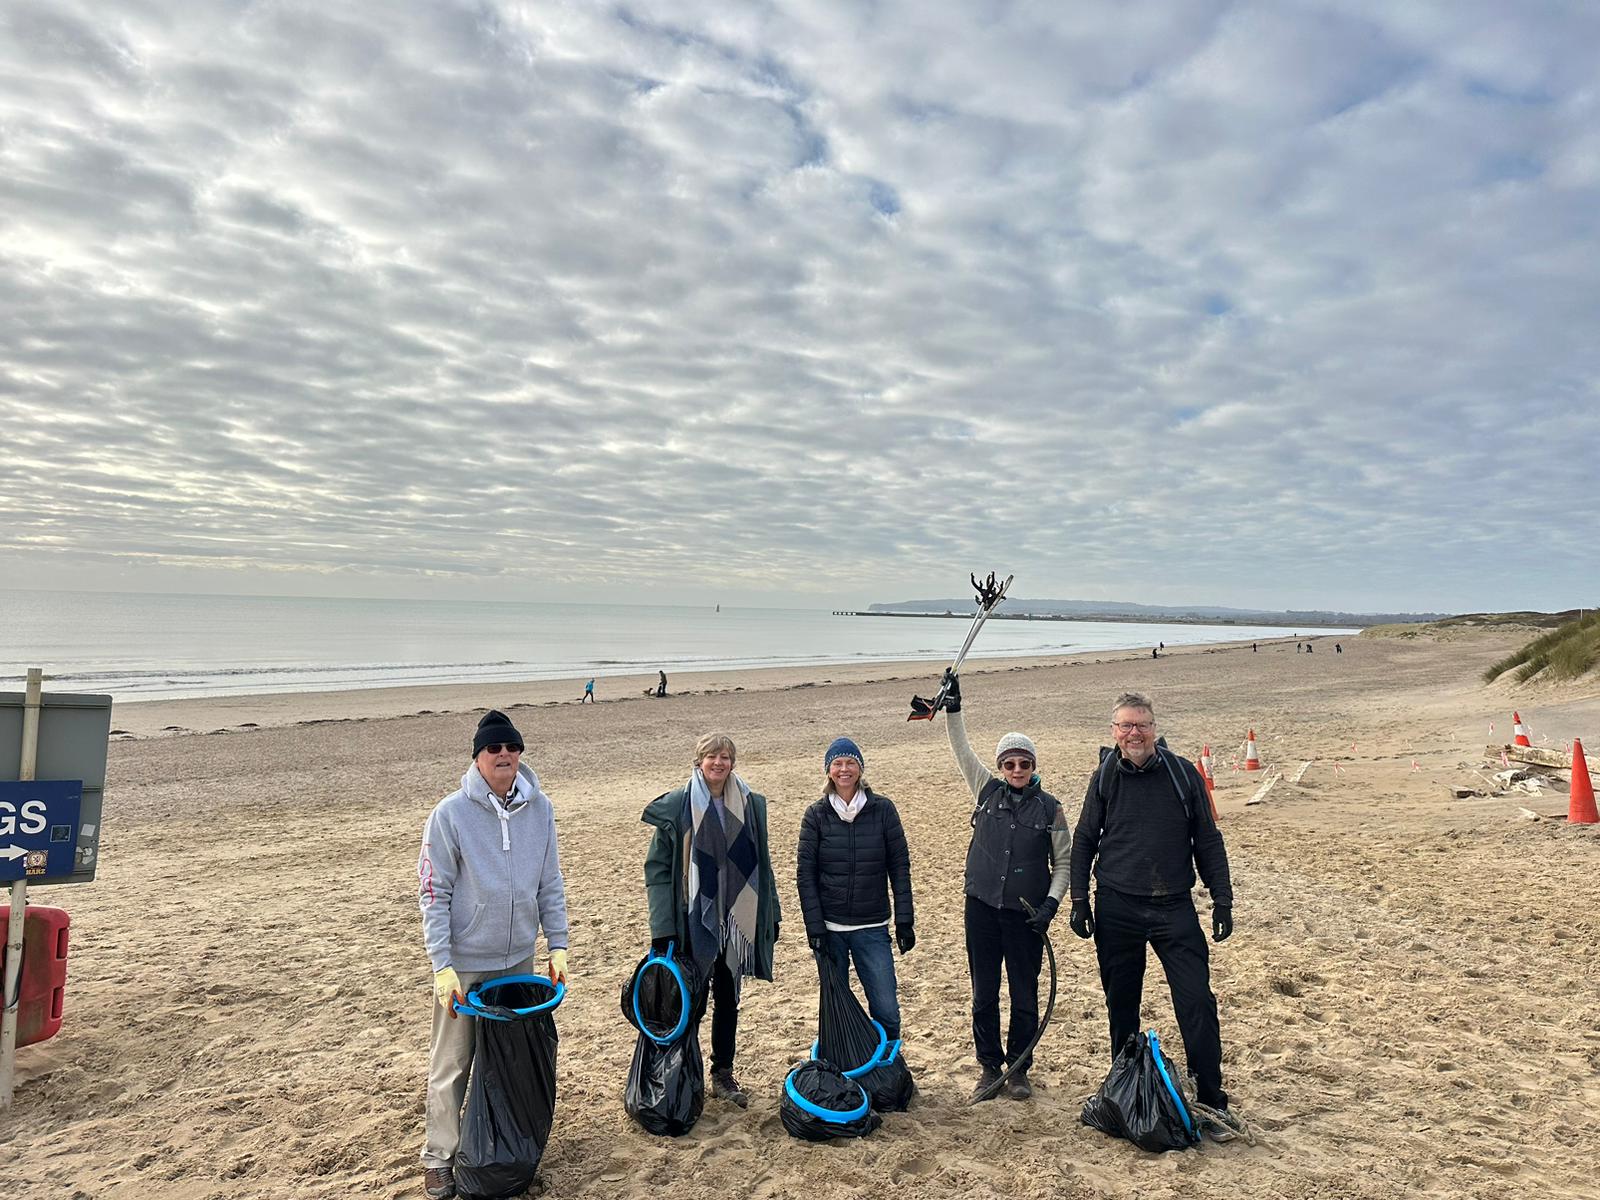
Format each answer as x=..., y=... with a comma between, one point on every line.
x=1015, y=741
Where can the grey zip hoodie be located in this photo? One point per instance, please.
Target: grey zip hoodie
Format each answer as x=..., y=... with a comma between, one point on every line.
x=489, y=876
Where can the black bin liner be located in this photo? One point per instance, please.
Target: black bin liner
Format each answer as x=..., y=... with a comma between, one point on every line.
x=1140, y=1100
x=511, y=1098
x=666, y=1088
x=820, y=1104
x=845, y=1034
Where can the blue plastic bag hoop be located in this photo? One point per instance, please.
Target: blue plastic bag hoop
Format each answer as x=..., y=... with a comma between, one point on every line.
x=473, y=1006
x=825, y=1114
x=881, y=1057
x=1183, y=1109
x=663, y=960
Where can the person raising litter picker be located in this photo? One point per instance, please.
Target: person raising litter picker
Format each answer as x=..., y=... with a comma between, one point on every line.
x=1019, y=852
x=1146, y=824
x=708, y=877
x=489, y=877
x=852, y=851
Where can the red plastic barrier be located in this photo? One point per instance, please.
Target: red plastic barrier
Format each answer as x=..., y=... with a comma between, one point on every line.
x=44, y=970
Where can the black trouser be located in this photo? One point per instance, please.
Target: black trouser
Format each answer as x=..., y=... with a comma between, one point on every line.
x=724, y=1014
x=996, y=936
x=1122, y=927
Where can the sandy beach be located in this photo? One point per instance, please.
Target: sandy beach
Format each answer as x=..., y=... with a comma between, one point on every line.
x=1407, y=1004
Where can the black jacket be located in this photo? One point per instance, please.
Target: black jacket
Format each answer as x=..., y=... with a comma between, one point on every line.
x=1009, y=857
x=1145, y=829
x=847, y=867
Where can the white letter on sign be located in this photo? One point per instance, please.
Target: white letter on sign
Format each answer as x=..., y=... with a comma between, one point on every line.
x=33, y=818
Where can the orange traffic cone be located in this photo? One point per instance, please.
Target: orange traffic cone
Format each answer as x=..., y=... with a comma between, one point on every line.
x=1580, y=808
x=1251, y=762
x=1519, y=734
x=1211, y=784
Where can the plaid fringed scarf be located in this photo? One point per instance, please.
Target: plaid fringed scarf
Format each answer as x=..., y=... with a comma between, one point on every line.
x=724, y=877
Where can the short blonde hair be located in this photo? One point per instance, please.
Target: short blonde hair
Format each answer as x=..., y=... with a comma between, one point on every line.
x=711, y=743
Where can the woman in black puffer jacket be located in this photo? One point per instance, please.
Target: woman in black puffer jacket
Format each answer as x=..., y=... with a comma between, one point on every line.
x=852, y=852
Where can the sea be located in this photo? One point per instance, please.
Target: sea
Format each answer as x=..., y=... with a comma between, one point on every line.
x=150, y=646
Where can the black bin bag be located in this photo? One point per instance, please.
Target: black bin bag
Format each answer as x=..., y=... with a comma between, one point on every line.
x=1140, y=1100
x=845, y=1034
x=666, y=1089
x=511, y=1098
x=820, y=1104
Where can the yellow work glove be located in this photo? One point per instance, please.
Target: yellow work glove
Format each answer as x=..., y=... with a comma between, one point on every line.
x=558, y=966
x=446, y=986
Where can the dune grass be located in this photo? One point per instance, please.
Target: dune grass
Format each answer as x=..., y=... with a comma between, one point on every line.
x=1566, y=652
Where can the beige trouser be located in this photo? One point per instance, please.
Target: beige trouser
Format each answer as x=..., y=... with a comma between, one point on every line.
x=449, y=1060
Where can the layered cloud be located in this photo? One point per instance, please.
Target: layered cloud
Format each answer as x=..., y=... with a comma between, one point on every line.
x=1228, y=303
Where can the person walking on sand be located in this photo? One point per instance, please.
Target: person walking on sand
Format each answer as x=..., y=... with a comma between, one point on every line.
x=852, y=853
x=1019, y=853
x=708, y=878
x=1145, y=826
x=588, y=693
x=661, y=684
x=489, y=877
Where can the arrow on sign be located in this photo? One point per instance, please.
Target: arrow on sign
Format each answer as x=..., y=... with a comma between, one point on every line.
x=13, y=852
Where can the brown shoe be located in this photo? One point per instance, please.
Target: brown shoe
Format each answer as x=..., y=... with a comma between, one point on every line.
x=725, y=1087
x=438, y=1183
x=987, y=1078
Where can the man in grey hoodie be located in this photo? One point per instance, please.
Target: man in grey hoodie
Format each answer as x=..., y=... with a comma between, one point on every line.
x=489, y=877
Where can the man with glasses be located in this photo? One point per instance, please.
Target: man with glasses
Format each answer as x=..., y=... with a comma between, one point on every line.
x=1145, y=826
x=489, y=877
x=1019, y=854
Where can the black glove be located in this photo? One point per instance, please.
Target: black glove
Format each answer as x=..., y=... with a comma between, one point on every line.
x=1081, y=920
x=660, y=944
x=818, y=942
x=1043, y=913
x=905, y=937
x=951, y=684
x=1221, y=922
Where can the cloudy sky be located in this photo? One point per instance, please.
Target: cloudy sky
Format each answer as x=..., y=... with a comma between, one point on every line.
x=815, y=302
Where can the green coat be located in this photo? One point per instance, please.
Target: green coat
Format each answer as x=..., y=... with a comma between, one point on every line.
x=666, y=875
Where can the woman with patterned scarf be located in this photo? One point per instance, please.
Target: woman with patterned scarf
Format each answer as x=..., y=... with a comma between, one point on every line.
x=708, y=878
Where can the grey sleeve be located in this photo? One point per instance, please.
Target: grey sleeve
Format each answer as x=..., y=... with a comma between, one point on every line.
x=1060, y=855
x=553, y=894
x=972, y=768
x=436, y=880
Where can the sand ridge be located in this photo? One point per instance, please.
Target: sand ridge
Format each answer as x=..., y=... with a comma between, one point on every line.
x=1405, y=1004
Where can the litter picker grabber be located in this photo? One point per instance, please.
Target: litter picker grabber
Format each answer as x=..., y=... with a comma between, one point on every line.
x=989, y=596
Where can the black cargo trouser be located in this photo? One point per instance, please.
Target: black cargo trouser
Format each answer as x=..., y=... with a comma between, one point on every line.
x=997, y=936
x=1123, y=926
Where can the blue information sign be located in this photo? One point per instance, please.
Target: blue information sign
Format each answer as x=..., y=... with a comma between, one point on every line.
x=39, y=828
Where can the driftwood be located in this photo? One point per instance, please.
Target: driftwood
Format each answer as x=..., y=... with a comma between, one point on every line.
x=1532, y=755
x=1261, y=792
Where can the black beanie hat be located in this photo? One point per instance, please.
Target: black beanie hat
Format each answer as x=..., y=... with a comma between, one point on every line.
x=495, y=727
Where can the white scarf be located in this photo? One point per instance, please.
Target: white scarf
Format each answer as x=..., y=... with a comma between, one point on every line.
x=848, y=812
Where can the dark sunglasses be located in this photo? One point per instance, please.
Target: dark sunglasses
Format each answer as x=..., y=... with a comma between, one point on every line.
x=496, y=747
x=1016, y=764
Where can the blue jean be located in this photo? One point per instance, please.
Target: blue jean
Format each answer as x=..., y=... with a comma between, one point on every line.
x=874, y=959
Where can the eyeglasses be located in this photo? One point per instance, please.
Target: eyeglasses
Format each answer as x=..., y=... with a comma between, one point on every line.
x=1017, y=764
x=496, y=747
x=1130, y=726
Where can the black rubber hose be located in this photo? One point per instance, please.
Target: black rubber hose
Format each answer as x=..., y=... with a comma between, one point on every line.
x=993, y=1089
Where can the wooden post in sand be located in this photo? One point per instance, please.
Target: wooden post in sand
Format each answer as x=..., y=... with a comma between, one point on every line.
x=19, y=897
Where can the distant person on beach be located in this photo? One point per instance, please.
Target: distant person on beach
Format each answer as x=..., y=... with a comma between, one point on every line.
x=1309, y=648
x=1338, y=649
x=1145, y=825
x=661, y=686
x=1019, y=853
x=489, y=877
x=1252, y=647
x=588, y=693
x=708, y=878
x=852, y=853
x=1153, y=653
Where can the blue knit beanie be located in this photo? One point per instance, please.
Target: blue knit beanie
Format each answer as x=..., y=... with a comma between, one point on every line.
x=843, y=747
